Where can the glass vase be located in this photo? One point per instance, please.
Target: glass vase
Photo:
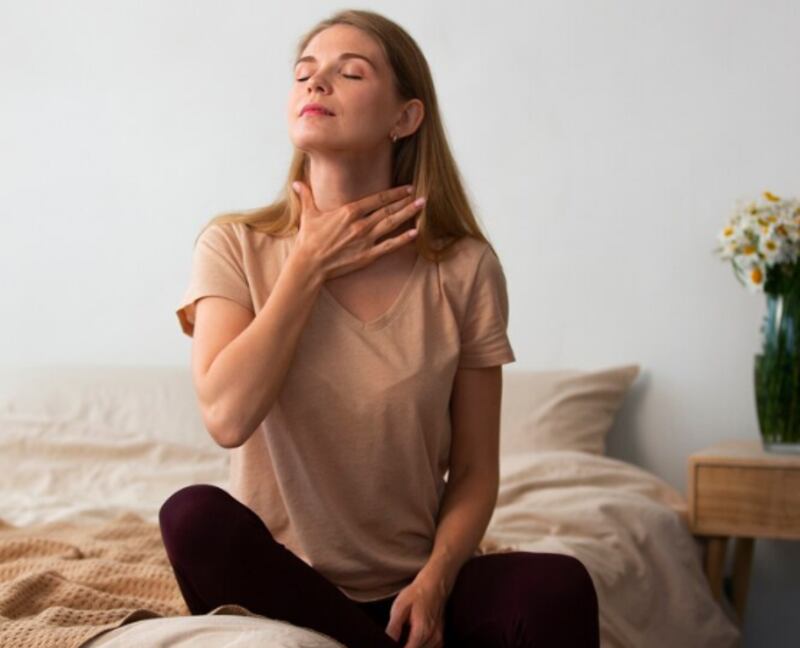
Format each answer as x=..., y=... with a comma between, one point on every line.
x=777, y=367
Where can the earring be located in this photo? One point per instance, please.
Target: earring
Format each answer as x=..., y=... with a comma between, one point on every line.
x=394, y=137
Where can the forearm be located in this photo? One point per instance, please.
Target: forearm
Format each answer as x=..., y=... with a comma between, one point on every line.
x=465, y=512
x=247, y=375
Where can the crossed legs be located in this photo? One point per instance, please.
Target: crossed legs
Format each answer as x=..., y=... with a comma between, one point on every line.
x=222, y=552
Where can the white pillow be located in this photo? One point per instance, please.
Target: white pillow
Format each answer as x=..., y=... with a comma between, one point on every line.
x=227, y=626
x=155, y=402
x=566, y=409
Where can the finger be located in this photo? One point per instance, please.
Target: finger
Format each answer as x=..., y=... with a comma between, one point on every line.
x=435, y=640
x=396, y=619
x=418, y=634
x=392, y=208
x=428, y=643
x=378, y=200
x=387, y=220
x=391, y=243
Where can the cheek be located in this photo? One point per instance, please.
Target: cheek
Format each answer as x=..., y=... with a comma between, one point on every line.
x=369, y=107
x=293, y=103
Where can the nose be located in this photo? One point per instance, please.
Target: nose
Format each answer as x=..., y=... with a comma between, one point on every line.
x=317, y=82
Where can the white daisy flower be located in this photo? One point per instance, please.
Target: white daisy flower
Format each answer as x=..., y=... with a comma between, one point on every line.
x=770, y=246
x=754, y=276
x=760, y=235
x=747, y=255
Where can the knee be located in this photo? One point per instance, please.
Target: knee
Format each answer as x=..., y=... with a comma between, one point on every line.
x=575, y=584
x=569, y=589
x=185, y=513
x=565, y=610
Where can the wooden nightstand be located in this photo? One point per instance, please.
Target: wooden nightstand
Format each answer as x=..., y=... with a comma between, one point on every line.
x=738, y=490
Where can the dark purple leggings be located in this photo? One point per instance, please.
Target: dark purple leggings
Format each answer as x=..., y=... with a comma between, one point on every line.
x=222, y=552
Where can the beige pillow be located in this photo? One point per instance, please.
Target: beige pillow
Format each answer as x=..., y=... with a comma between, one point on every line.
x=566, y=409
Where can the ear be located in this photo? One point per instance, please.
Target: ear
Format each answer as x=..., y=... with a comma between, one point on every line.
x=411, y=117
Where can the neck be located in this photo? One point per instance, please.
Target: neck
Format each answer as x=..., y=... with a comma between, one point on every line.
x=336, y=180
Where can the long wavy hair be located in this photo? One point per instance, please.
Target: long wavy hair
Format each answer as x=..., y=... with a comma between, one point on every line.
x=422, y=158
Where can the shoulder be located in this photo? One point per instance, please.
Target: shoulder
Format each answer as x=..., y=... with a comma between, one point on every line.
x=229, y=233
x=238, y=241
x=462, y=269
x=468, y=259
x=464, y=253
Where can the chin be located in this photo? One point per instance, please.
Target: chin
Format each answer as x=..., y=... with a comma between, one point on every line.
x=319, y=144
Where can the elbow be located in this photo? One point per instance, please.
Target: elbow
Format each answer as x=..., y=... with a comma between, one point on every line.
x=224, y=433
x=228, y=426
x=228, y=441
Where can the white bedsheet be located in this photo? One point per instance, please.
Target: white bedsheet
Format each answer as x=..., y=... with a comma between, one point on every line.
x=624, y=523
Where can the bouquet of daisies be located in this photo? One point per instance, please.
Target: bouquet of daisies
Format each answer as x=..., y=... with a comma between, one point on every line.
x=762, y=242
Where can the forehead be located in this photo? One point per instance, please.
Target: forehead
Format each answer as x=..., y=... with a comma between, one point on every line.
x=332, y=41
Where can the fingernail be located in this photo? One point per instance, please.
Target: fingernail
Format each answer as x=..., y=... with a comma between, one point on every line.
x=419, y=201
x=296, y=186
x=410, y=189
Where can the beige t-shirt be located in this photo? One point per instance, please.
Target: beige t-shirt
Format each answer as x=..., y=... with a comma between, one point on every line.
x=347, y=469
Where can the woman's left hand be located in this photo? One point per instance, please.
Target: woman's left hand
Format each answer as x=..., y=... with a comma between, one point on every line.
x=422, y=603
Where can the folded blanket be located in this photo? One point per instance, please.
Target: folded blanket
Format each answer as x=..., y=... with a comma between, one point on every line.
x=62, y=583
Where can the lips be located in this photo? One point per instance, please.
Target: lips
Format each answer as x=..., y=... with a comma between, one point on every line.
x=316, y=108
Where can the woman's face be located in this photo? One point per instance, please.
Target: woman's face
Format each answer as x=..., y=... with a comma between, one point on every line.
x=360, y=93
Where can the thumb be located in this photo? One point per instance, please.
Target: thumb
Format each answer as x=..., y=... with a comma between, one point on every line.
x=302, y=190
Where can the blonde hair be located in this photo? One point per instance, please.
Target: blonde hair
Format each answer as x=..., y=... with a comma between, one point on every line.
x=422, y=159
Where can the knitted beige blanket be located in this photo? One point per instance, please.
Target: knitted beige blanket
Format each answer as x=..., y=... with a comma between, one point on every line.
x=63, y=583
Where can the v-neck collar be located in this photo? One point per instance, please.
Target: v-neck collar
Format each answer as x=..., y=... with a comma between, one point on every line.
x=382, y=319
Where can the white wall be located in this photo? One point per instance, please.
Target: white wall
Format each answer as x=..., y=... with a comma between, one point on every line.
x=603, y=143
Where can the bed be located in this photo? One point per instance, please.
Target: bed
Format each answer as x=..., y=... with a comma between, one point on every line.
x=89, y=453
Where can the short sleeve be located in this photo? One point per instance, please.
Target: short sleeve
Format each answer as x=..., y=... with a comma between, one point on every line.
x=217, y=270
x=484, y=337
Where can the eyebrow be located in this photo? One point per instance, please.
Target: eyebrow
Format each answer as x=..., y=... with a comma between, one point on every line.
x=343, y=56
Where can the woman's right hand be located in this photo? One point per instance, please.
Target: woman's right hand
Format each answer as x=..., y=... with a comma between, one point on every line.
x=343, y=239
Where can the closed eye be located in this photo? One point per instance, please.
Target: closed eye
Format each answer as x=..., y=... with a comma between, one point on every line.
x=349, y=76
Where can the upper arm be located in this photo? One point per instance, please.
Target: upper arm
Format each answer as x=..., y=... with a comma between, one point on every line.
x=217, y=305
x=478, y=382
x=475, y=420
x=483, y=328
x=218, y=321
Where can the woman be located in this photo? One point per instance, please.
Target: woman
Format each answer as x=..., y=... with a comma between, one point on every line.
x=349, y=371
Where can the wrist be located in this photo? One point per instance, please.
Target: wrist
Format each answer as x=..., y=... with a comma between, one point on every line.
x=439, y=575
x=307, y=265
